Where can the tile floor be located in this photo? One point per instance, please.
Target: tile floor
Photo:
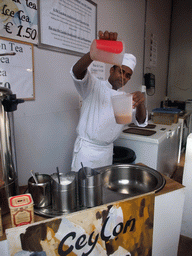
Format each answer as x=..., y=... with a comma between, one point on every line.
x=185, y=243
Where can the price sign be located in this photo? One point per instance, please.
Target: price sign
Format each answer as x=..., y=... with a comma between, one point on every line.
x=16, y=68
x=18, y=20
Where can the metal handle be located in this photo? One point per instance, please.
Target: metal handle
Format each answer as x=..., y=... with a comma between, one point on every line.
x=169, y=134
x=5, y=91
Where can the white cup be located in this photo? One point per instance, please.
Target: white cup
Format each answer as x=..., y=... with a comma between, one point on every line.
x=122, y=106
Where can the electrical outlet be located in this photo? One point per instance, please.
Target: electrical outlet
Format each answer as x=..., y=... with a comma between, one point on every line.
x=143, y=88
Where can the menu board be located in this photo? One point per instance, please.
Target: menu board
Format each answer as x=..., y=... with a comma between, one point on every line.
x=16, y=68
x=67, y=25
x=18, y=20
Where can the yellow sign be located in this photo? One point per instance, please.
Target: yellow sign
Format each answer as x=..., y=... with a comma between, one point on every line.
x=123, y=228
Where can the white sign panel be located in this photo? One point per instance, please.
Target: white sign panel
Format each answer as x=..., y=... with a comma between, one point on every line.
x=97, y=68
x=18, y=20
x=67, y=24
x=16, y=67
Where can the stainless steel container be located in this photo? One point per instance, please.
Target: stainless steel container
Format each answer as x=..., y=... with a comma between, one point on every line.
x=90, y=187
x=41, y=191
x=8, y=166
x=64, y=192
x=131, y=179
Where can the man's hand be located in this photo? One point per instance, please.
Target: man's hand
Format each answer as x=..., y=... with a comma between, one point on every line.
x=80, y=68
x=108, y=35
x=138, y=98
x=139, y=104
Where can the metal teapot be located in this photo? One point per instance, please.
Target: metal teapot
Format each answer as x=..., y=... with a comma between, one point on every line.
x=8, y=166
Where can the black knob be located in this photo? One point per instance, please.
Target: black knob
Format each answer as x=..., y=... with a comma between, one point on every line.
x=10, y=103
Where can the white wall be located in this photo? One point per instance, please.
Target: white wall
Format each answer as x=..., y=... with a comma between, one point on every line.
x=45, y=128
x=127, y=18
x=180, y=71
x=158, y=23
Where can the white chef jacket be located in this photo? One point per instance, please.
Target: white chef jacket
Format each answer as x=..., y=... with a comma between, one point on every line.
x=97, y=128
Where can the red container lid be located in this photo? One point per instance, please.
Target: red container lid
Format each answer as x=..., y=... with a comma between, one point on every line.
x=20, y=200
x=109, y=46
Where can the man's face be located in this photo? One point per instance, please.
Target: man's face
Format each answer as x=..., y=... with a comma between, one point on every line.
x=119, y=76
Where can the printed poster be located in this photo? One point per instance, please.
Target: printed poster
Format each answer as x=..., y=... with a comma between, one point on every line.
x=123, y=228
x=68, y=25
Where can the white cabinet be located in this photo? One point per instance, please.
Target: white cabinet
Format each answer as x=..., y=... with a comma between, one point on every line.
x=167, y=222
x=168, y=152
x=159, y=151
x=186, y=129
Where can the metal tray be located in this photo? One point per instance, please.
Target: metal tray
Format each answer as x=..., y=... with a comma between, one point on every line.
x=139, y=131
x=120, y=181
x=50, y=212
x=149, y=126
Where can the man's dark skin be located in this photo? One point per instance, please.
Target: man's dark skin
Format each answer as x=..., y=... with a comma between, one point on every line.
x=118, y=77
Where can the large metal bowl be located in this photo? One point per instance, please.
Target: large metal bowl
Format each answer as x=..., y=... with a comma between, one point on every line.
x=131, y=179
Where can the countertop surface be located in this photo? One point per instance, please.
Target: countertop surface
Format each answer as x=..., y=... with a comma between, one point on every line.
x=161, y=130
x=170, y=186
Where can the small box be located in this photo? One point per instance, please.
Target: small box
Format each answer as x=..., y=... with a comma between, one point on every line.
x=165, y=115
x=21, y=209
x=1, y=225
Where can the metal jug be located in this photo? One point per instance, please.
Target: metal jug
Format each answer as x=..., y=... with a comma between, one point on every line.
x=90, y=187
x=8, y=166
x=64, y=192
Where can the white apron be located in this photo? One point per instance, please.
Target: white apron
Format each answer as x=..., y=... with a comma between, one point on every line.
x=91, y=154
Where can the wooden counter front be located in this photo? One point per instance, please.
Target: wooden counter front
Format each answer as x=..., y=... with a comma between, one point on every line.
x=170, y=186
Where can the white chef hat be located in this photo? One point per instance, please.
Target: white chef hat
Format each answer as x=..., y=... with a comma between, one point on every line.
x=129, y=60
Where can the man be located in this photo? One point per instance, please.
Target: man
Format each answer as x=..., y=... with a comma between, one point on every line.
x=97, y=128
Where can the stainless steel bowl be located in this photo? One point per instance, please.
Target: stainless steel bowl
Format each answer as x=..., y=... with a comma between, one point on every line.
x=131, y=179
